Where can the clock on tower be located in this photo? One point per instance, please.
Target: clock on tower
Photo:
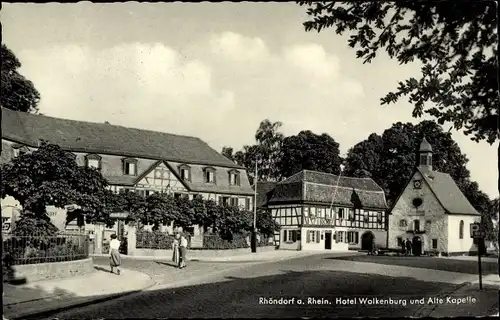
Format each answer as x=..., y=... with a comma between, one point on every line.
x=417, y=184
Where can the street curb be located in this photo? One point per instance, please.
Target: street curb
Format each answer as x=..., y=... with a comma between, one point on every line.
x=48, y=313
x=427, y=309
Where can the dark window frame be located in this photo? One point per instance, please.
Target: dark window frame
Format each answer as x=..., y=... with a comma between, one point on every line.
x=126, y=161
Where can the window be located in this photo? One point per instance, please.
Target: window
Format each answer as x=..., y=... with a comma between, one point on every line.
x=379, y=217
x=177, y=195
x=423, y=160
x=416, y=225
x=198, y=196
x=313, y=236
x=461, y=230
x=400, y=241
x=290, y=236
x=148, y=192
x=417, y=202
x=403, y=223
x=234, y=178
x=352, y=237
x=234, y=202
x=185, y=196
x=247, y=203
x=185, y=172
x=93, y=161
x=142, y=193
x=130, y=167
x=224, y=201
x=341, y=213
x=340, y=236
x=351, y=214
x=434, y=243
x=209, y=174
x=428, y=224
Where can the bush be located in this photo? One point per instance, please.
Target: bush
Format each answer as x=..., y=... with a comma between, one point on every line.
x=216, y=242
x=153, y=240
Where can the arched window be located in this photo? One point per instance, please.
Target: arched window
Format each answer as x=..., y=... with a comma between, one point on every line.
x=402, y=223
x=461, y=230
x=416, y=225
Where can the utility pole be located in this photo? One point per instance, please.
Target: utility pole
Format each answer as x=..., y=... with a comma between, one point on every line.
x=254, y=229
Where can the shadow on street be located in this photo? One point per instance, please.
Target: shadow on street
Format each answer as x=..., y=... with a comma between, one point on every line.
x=460, y=266
x=241, y=296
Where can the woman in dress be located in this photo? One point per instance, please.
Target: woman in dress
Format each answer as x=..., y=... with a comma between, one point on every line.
x=114, y=254
x=176, y=250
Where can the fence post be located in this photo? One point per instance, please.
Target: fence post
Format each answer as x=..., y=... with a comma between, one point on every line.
x=99, y=233
x=131, y=240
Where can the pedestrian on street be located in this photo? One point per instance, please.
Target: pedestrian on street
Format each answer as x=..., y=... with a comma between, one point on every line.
x=183, y=246
x=403, y=246
x=114, y=254
x=408, y=247
x=176, y=250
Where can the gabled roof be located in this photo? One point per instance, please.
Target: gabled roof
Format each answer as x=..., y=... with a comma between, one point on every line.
x=447, y=192
x=104, y=138
x=265, y=191
x=320, y=187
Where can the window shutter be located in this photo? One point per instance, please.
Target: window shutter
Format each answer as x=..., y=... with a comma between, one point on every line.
x=284, y=235
x=308, y=236
x=357, y=237
x=294, y=235
x=317, y=237
x=238, y=179
x=215, y=177
x=229, y=177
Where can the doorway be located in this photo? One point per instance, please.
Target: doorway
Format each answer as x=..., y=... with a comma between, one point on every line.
x=417, y=246
x=328, y=240
x=367, y=240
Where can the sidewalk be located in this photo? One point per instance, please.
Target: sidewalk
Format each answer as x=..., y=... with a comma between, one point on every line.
x=43, y=297
x=471, y=258
x=486, y=303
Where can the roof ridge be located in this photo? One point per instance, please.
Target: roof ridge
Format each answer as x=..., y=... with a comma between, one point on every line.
x=98, y=123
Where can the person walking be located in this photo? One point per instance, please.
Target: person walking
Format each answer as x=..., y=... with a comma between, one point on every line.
x=114, y=254
x=408, y=247
x=183, y=250
x=176, y=250
x=403, y=246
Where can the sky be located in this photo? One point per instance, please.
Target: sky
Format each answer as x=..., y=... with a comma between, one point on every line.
x=211, y=70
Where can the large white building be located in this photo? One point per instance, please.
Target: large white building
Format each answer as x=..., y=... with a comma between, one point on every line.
x=432, y=212
x=302, y=206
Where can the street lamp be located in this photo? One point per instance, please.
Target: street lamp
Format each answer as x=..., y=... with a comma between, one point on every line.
x=253, y=243
x=335, y=193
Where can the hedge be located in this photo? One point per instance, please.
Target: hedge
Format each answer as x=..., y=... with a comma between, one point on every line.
x=160, y=240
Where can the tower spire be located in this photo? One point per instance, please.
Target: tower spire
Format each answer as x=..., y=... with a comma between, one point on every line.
x=425, y=156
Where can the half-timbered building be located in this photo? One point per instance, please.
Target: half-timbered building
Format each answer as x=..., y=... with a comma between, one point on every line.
x=319, y=211
x=132, y=159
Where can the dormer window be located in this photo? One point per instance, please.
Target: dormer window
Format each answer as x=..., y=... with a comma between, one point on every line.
x=185, y=172
x=130, y=167
x=209, y=174
x=234, y=178
x=93, y=161
x=19, y=150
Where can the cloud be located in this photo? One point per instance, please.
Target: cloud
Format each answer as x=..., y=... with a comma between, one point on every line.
x=219, y=94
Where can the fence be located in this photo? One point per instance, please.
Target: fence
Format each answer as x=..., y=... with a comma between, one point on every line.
x=66, y=246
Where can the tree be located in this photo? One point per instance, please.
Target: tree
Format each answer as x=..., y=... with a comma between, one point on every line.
x=228, y=153
x=456, y=42
x=18, y=93
x=265, y=222
x=266, y=152
x=51, y=176
x=309, y=151
x=390, y=159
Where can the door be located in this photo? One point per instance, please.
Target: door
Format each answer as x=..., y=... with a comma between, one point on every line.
x=367, y=240
x=417, y=246
x=328, y=240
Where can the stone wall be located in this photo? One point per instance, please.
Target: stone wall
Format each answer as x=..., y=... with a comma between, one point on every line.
x=53, y=270
x=157, y=253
